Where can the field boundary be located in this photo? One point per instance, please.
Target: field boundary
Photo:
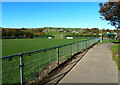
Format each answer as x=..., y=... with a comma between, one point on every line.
x=64, y=64
x=33, y=66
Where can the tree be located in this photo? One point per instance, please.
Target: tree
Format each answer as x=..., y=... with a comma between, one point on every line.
x=87, y=30
x=111, y=12
x=95, y=30
x=108, y=30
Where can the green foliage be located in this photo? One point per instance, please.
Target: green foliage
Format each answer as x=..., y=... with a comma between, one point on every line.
x=111, y=12
x=16, y=33
x=23, y=33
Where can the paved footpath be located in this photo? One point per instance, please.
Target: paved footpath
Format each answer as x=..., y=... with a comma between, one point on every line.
x=96, y=66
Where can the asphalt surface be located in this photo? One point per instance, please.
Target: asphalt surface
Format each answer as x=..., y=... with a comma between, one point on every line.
x=96, y=66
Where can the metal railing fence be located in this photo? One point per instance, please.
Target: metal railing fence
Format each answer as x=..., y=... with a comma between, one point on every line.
x=32, y=66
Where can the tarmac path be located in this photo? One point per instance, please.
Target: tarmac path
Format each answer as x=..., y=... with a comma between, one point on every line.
x=96, y=66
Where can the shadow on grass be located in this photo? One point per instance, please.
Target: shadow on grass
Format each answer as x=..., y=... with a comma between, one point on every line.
x=116, y=42
x=109, y=41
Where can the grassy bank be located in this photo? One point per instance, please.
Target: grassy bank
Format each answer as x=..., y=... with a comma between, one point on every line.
x=116, y=54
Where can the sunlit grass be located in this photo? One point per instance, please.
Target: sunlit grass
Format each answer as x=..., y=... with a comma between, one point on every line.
x=16, y=46
x=115, y=53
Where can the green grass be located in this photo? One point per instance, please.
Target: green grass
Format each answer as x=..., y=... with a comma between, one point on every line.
x=57, y=34
x=115, y=53
x=16, y=46
x=34, y=63
x=107, y=41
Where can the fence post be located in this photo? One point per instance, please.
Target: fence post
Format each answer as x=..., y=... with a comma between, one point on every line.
x=77, y=47
x=81, y=46
x=21, y=70
x=57, y=55
x=71, y=50
x=90, y=42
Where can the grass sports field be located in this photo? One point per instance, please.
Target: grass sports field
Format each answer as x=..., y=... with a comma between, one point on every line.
x=16, y=46
x=34, y=63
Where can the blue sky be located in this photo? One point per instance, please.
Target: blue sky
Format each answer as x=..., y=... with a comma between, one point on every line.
x=52, y=14
x=55, y=0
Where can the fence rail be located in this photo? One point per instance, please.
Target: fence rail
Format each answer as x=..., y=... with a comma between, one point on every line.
x=33, y=66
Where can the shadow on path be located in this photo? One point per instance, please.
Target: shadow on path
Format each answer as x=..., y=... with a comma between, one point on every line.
x=55, y=80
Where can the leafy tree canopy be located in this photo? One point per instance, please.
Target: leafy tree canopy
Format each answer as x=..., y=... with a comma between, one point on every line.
x=111, y=12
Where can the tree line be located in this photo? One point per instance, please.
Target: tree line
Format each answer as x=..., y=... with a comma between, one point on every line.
x=22, y=33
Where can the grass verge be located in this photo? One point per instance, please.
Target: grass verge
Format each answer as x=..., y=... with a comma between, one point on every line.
x=116, y=54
